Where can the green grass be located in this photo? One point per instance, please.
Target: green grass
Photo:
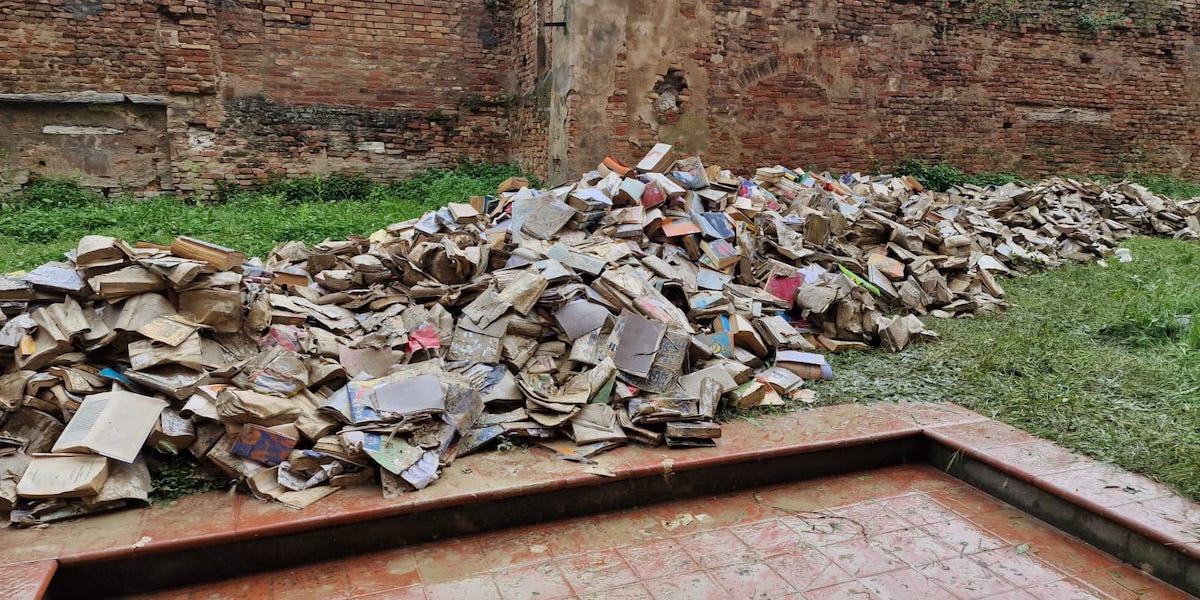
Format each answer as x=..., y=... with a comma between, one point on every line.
x=1100, y=359
x=1167, y=186
x=49, y=216
x=942, y=176
x=1094, y=358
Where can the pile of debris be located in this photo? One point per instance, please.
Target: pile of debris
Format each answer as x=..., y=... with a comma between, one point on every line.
x=630, y=305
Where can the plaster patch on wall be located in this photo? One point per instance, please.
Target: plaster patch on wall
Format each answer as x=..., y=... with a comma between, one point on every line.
x=201, y=140
x=79, y=130
x=1065, y=115
x=372, y=147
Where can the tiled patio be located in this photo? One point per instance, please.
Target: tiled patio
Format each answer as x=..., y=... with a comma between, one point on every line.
x=889, y=531
x=900, y=532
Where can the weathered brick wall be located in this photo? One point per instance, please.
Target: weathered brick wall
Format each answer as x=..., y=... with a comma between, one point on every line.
x=261, y=87
x=387, y=88
x=530, y=50
x=862, y=83
x=74, y=45
x=249, y=88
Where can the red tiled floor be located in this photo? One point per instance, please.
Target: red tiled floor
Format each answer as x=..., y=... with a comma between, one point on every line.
x=382, y=571
x=851, y=590
x=905, y=584
x=963, y=536
x=448, y=560
x=824, y=529
x=542, y=581
x=480, y=587
x=597, y=571
x=306, y=583
x=517, y=546
x=862, y=557
x=918, y=510
x=769, y=538
x=807, y=569
x=687, y=586
x=964, y=500
x=751, y=582
x=873, y=518
x=658, y=559
x=1063, y=589
x=914, y=546
x=965, y=578
x=242, y=588
x=1126, y=583
x=964, y=546
x=1016, y=567
x=716, y=548
x=635, y=591
x=26, y=581
x=410, y=593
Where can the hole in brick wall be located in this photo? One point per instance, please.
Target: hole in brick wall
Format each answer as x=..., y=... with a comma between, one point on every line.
x=488, y=36
x=1085, y=58
x=41, y=163
x=1167, y=52
x=668, y=91
x=1007, y=125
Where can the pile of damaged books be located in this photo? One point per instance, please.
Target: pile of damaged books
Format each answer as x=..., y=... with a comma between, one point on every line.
x=626, y=307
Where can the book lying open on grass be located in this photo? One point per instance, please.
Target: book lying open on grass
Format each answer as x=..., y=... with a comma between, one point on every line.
x=113, y=424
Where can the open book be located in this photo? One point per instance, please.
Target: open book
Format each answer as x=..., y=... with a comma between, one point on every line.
x=112, y=424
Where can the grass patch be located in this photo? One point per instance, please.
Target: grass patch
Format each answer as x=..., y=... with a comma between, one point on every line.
x=1094, y=358
x=1167, y=186
x=1105, y=360
x=942, y=176
x=48, y=217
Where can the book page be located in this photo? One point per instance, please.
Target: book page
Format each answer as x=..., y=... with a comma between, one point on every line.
x=75, y=436
x=63, y=476
x=126, y=421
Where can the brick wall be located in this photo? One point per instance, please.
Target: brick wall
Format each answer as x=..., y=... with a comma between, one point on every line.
x=863, y=83
x=71, y=46
x=258, y=88
x=529, y=59
x=387, y=88
x=246, y=89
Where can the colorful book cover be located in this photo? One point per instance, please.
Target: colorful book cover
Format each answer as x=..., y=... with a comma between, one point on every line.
x=262, y=445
